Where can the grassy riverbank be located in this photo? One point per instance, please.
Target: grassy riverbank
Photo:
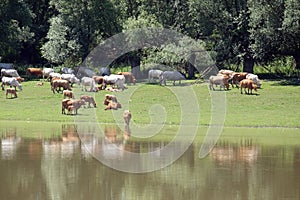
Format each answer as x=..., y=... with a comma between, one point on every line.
x=275, y=105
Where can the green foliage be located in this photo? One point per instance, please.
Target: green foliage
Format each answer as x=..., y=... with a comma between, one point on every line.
x=63, y=32
x=77, y=29
x=14, y=28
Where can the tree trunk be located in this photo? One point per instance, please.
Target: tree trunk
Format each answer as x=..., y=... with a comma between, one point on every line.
x=191, y=68
x=248, y=64
x=296, y=56
x=135, y=63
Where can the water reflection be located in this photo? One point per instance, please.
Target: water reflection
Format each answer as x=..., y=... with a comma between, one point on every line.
x=225, y=153
x=9, y=144
x=60, y=166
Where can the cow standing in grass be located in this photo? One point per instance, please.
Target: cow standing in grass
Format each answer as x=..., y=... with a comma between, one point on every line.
x=247, y=84
x=154, y=74
x=11, y=81
x=67, y=103
x=172, y=76
x=88, y=82
x=37, y=72
x=88, y=99
x=9, y=73
x=218, y=80
x=11, y=91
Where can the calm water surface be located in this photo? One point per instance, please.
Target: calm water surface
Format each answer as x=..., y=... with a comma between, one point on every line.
x=56, y=165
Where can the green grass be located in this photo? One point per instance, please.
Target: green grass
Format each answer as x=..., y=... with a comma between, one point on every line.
x=276, y=105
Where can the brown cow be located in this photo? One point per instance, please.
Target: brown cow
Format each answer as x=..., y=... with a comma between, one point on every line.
x=113, y=106
x=129, y=78
x=237, y=77
x=11, y=91
x=98, y=79
x=247, y=83
x=68, y=93
x=37, y=72
x=66, y=103
x=20, y=79
x=88, y=99
x=60, y=83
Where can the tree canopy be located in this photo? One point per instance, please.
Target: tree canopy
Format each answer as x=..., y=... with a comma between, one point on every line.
x=61, y=32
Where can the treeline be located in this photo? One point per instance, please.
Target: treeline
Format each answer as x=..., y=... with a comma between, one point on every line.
x=63, y=32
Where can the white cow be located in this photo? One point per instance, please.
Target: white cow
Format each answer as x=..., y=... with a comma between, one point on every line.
x=11, y=81
x=88, y=81
x=9, y=73
x=172, y=76
x=255, y=79
x=71, y=78
x=154, y=74
x=46, y=72
x=218, y=80
x=115, y=79
x=54, y=75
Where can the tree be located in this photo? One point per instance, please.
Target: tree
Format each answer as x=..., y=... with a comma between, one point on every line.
x=275, y=29
x=16, y=19
x=78, y=28
x=144, y=20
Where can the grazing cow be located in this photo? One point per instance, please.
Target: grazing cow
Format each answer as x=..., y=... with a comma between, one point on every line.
x=71, y=78
x=46, y=72
x=237, y=77
x=127, y=117
x=67, y=70
x=9, y=73
x=68, y=93
x=154, y=74
x=57, y=84
x=66, y=103
x=11, y=91
x=218, y=80
x=254, y=78
x=172, y=76
x=11, y=81
x=87, y=81
x=249, y=84
x=115, y=79
x=88, y=99
x=37, y=72
x=19, y=79
x=129, y=78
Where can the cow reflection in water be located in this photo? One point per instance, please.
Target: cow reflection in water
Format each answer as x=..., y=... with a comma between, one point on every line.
x=64, y=146
x=9, y=145
x=111, y=146
x=226, y=153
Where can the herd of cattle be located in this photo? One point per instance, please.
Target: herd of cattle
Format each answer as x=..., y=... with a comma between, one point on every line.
x=244, y=80
x=63, y=82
